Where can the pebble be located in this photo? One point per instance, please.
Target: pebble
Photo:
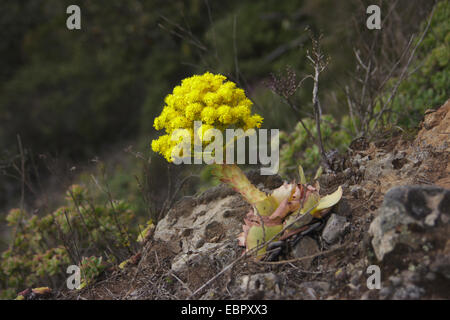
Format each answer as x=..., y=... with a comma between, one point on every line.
x=335, y=228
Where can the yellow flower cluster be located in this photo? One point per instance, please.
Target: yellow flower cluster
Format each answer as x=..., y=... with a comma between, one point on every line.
x=208, y=98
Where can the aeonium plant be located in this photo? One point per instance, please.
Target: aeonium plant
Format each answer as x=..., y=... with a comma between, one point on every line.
x=285, y=212
x=217, y=104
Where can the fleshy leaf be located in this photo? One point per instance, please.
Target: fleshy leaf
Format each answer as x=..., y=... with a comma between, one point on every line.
x=255, y=237
x=267, y=206
x=285, y=208
x=283, y=192
x=318, y=173
x=301, y=174
x=328, y=201
x=304, y=220
x=311, y=200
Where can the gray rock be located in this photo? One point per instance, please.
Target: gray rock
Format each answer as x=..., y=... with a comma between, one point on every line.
x=408, y=292
x=402, y=207
x=385, y=292
x=395, y=280
x=343, y=208
x=204, y=229
x=260, y=282
x=442, y=266
x=381, y=166
x=217, y=192
x=335, y=228
x=316, y=288
x=305, y=247
x=183, y=261
x=420, y=201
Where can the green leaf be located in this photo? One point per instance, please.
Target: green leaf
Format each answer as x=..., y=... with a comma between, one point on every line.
x=301, y=174
x=318, y=173
x=328, y=201
x=256, y=237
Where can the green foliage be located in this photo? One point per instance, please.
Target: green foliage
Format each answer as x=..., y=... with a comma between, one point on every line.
x=145, y=231
x=297, y=147
x=42, y=247
x=90, y=268
x=429, y=86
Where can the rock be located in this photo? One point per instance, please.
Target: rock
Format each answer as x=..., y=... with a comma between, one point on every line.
x=316, y=288
x=385, y=293
x=305, y=247
x=395, y=280
x=381, y=166
x=410, y=276
x=260, y=285
x=357, y=192
x=182, y=262
x=343, y=208
x=335, y=228
x=435, y=129
x=203, y=230
x=442, y=266
x=218, y=192
x=408, y=292
x=402, y=207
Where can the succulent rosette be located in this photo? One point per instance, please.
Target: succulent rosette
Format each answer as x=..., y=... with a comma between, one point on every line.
x=280, y=214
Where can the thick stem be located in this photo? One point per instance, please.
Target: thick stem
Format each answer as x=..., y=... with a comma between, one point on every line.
x=232, y=175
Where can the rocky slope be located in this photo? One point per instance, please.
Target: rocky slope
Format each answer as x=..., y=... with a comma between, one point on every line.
x=394, y=215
